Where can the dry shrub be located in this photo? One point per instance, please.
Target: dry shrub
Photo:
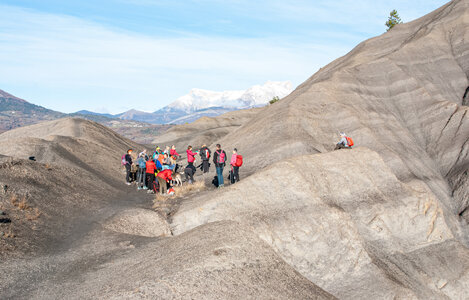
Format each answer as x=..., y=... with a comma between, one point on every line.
x=23, y=205
x=161, y=201
x=33, y=214
x=185, y=189
x=14, y=200
x=9, y=234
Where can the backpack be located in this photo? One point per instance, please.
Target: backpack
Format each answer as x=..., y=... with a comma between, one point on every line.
x=239, y=161
x=123, y=160
x=158, y=165
x=207, y=153
x=349, y=141
x=221, y=157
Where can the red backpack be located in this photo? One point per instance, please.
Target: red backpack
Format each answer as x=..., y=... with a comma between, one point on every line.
x=221, y=157
x=239, y=160
x=349, y=141
x=207, y=154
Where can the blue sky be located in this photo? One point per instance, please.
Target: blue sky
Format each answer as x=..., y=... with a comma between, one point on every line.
x=113, y=55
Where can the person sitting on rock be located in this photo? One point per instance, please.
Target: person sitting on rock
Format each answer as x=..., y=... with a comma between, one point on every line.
x=344, y=143
x=164, y=179
x=189, y=171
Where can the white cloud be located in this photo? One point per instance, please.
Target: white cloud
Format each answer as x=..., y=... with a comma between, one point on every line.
x=68, y=64
x=80, y=64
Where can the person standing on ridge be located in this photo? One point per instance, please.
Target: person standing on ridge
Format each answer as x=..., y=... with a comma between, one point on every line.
x=173, y=155
x=205, y=154
x=236, y=162
x=141, y=172
x=150, y=170
x=190, y=155
x=219, y=158
x=128, y=166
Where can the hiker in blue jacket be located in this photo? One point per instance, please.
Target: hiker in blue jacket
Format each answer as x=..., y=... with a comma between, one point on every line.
x=141, y=172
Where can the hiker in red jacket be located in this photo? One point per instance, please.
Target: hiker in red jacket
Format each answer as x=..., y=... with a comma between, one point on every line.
x=164, y=178
x=151, y=168
x=190, y=156
x=236, y=162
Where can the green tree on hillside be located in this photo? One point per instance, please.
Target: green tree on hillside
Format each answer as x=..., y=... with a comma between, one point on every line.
x=275, y=99
x=393, y=20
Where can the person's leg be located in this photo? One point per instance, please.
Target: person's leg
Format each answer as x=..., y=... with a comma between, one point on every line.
x=144, y=175
x=205, y=166
x=139, y=177
x=236, y=173
x=163, y=186
x=220, y=176
x=127, y=171
x=192, y=176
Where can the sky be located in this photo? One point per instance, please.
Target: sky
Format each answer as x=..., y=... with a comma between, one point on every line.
x=114, y=55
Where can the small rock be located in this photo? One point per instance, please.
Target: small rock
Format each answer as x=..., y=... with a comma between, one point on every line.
x=5, y=220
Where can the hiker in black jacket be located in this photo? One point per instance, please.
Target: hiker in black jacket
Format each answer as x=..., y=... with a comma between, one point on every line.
x=205, y=154
x=219, y=158
x=128, y=166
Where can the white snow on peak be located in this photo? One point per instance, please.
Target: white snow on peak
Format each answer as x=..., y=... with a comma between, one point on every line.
x=257, y=95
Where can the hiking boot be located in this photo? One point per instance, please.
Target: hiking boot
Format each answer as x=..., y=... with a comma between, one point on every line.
x=150, y=192
x=145, y=188
x=139, y=188
x=128, y=183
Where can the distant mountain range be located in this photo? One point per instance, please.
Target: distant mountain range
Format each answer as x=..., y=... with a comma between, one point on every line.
x=204, y=103
x=16, y=112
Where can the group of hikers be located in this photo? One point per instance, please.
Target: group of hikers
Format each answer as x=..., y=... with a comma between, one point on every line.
x=157, y=172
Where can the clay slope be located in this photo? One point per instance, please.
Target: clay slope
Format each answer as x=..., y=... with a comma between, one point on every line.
x=72, y=142
x=400, y=94
x=77, y=171
x=344, y=221
x=217, y=261
x=387, y=222
x=206, y=130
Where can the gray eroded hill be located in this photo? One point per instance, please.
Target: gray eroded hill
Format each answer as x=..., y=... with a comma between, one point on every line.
x=79, y=232
x=345, y=222
x=77, y=169
x=387, y=222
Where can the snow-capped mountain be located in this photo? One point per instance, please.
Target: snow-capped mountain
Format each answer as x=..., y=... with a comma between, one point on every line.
x=257, y=95
x=199, y=103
